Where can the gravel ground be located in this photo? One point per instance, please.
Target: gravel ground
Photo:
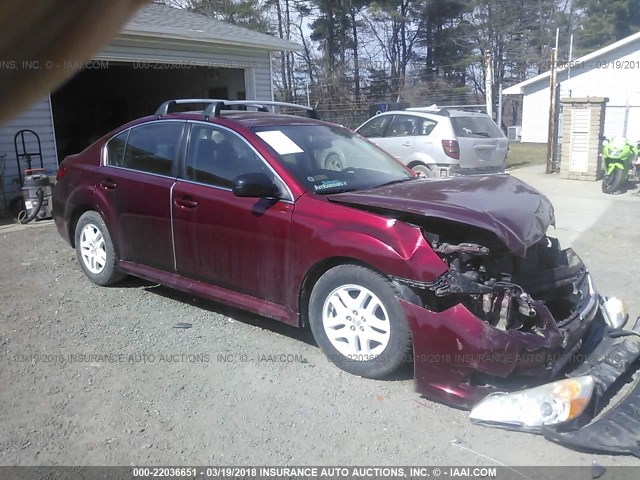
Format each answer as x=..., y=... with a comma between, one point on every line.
x=234, y=389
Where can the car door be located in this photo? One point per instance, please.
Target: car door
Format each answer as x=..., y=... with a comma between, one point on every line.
x=134, y=188
x=423, y=142
x=238, y=243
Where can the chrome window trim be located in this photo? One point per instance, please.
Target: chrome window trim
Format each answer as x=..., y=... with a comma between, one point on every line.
x=173, y=235
x=104, y=159
x=225, y=189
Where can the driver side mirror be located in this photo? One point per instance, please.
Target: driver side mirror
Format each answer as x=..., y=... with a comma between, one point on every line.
x=255, y=185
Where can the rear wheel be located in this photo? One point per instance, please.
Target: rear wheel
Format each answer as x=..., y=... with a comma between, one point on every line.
x=612, y=182
x=423, y=170
x=333, y=162
x=95, y=251
x=358, y=322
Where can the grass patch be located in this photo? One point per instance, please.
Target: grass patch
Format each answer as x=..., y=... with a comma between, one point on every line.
x=525, y=154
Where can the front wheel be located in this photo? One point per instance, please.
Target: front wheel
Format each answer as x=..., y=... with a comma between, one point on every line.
x=358, y=322
x=613, y=181
x=95, y=251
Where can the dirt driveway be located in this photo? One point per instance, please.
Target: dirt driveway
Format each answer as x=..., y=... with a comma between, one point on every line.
x=102, y=376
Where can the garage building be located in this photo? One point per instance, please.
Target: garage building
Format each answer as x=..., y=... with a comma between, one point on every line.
x=162, y=53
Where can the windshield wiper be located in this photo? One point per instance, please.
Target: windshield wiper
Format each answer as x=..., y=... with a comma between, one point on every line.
x=393, y=182
x=480, y=134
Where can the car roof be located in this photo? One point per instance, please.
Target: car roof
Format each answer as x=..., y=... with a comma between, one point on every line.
x=248, y=119
x=432, y=112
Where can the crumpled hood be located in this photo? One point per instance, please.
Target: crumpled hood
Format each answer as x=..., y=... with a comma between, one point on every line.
x=515, y=212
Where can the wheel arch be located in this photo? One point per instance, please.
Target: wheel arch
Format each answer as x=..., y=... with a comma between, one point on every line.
x=77, y=212
x=323, y=266
x=80, y=210
x=418, y=158
x=313, y=275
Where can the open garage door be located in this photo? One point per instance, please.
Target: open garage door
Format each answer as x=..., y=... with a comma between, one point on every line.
x=100, y=99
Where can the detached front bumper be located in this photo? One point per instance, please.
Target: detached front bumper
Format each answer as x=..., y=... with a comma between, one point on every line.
x=460, y=359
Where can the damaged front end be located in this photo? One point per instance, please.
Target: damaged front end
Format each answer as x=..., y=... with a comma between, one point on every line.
x=526, y=340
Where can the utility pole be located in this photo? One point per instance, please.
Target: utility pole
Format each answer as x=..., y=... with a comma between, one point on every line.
x=570, y=57
x=553, y=108
x=488, y=82
x=499, y=115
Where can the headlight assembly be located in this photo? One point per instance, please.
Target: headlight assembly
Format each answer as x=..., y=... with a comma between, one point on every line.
x=532, y=408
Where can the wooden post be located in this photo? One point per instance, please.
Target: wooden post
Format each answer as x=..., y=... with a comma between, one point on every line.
x=553, y=108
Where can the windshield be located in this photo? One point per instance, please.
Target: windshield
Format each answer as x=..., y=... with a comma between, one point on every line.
x=328, y=159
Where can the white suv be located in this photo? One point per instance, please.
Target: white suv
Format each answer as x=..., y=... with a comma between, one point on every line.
x=439, y=142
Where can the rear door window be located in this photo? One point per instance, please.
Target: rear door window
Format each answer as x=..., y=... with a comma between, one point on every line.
x=475, y=127
x=153, y=148
x=115, y=149
x=425, y=127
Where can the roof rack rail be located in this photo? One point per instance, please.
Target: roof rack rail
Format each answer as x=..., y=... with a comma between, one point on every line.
x=214, y=108
x=216, y=105
x=436, y=110
x=164, y=108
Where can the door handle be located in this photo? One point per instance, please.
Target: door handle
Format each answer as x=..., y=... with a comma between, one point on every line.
x=108, y=184
x=185, y=202
x=407, y=144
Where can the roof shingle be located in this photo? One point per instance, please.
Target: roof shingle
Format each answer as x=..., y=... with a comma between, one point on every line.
x=169, y=22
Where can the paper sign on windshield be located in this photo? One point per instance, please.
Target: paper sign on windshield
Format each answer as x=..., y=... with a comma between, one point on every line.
x=280, y=142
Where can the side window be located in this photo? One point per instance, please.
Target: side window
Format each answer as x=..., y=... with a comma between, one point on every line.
x=152, y=148
x=426, y=126
x=115, y=149
x=216, y=157
x=404, y=125
x=375, y=127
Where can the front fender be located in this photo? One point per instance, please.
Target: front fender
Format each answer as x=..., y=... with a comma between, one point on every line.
x=388, y=245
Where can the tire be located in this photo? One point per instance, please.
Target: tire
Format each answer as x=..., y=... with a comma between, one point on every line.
x=95, y=251
x=424, y=170
x=372, y=343
x=613, y=182
x=333, y=162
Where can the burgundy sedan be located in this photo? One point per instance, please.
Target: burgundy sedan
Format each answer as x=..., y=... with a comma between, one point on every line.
x=308, y=223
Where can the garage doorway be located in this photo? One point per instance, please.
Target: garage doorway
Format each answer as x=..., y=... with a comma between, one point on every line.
x=94, y=102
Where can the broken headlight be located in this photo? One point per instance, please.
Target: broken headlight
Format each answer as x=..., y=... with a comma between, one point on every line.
x=615, y=312
x=532, y=408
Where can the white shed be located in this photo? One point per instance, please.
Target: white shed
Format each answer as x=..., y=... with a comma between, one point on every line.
x=612, y=72
x=162, y=53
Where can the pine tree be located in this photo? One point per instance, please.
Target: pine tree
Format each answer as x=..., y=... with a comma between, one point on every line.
x=604, y=22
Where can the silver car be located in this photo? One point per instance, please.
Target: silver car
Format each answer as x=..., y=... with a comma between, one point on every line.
x=439, y=142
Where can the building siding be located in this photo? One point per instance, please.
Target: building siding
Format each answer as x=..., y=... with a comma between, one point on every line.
x=600, y=77
x=38, y=119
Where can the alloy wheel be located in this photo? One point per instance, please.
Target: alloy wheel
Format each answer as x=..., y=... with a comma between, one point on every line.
x=356, y=322
x=92, y=249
